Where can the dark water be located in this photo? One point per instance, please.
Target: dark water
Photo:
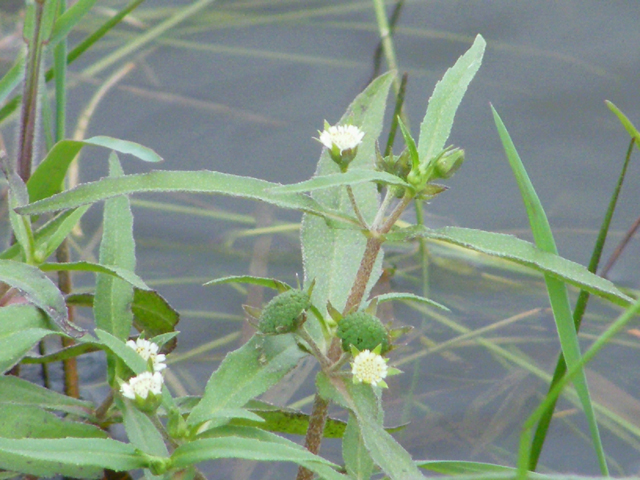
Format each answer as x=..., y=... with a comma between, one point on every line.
x=244, y=93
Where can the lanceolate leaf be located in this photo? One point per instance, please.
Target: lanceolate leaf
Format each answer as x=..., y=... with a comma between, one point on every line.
x=524, y=253
x=351, y=177
x=626, y=123
x=12, y=78
x=120, y=273
x=17, y=391
x=128, y=355
x=246, y=373
x=72, y=457
x=437, y=123
x=140, y=430
x=387, y=297
x=30, y=421
x=332, y=256
x=38, y=290
x=261, y=281
x=252, y=444
x=48, y=178
x=356, y=457
x=202, y=181
x=113, y=298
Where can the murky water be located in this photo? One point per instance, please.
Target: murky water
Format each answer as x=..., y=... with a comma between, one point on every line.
x=242, y=88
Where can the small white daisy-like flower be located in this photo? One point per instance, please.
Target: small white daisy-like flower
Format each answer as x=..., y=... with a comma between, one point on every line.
x=343, y=137
x=143, y=384
x=148, y=350
x=369, y=367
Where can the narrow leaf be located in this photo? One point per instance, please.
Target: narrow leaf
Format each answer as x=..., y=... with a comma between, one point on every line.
x=523, y=253
x=120, y=273
x=48, y=178
x=176, y=181
x=261, y=281
x=128, y=355
x=357, y=459
x=72, y=457
x=443, y=104
x=626, y=123
x=30, y=421
x=140, y=429
x=387, y=297
x=17, y=391
x=353, y=176
x=12, y=78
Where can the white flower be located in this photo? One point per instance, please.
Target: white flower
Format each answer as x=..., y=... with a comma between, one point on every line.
x=343, y=137
x=142, y=385
x=369, y=367
x=148, y=350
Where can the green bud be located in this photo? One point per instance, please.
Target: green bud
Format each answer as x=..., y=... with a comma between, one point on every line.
x=283, y=314
x=363, y=331
x=449, y=163
x=176, y=424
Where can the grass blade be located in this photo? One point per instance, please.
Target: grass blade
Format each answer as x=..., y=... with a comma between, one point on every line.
x=556, y=289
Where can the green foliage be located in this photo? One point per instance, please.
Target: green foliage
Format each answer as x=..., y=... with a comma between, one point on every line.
x=364, y=331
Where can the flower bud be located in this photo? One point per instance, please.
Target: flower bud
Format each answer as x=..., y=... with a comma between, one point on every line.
x=449, y=163
x=283, y=314
x=363, y=331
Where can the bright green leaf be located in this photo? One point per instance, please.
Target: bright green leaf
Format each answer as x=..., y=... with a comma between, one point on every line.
x=140, y=429
x=626, y=123
x=353, y=176
x=387, y=297
x=261, y=281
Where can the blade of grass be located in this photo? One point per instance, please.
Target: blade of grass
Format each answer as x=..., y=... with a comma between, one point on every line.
x=558, y=296
x=581, y=305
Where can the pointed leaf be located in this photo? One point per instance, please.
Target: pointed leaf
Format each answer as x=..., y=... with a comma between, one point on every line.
x=127, y=354
x=387, y=297
x=48, y=178
x=176, y=181
x=523, y=253
x=112, y=271
x=140, y=429
x=30, y=421
x=626, y=123
x=443, y=104
x=261, y=281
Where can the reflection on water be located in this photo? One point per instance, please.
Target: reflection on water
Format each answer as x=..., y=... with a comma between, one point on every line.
x=243, y=87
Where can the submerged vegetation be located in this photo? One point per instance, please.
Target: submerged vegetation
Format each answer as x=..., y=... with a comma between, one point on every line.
x=355, y=234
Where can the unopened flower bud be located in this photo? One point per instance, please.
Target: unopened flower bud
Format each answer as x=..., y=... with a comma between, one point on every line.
x=363, y=331
x=449, y=163
x=283, y=313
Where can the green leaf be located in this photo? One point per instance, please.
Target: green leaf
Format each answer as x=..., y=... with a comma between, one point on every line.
x=523, y=253
x=64, y=354
x=38, y=290
x=261, y=281
x=444, y=102
x=357, y=460
x=48, y=178
x=140, y=429
x=113, y=297
x=361, y=400
x=72, y=457
x=626, y=123
x=112, y=271
x=251, y=444
x=127, y=354
x=387, y=297
x=457, y=467
x=12, y=78
x=202, y=181
x=21, y=327
x=68, y=20
x=20, y=225
x=353, y=176
x=246, y=373
x=17, y=391
x=49, y=236
x=30, y=421
x=332, y=256
x=557, y=291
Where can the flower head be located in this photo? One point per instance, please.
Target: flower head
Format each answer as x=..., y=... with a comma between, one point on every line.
x=342, y=142
x=369, y=367
x=142, y=385
x=148, y=351
x=344, y=137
